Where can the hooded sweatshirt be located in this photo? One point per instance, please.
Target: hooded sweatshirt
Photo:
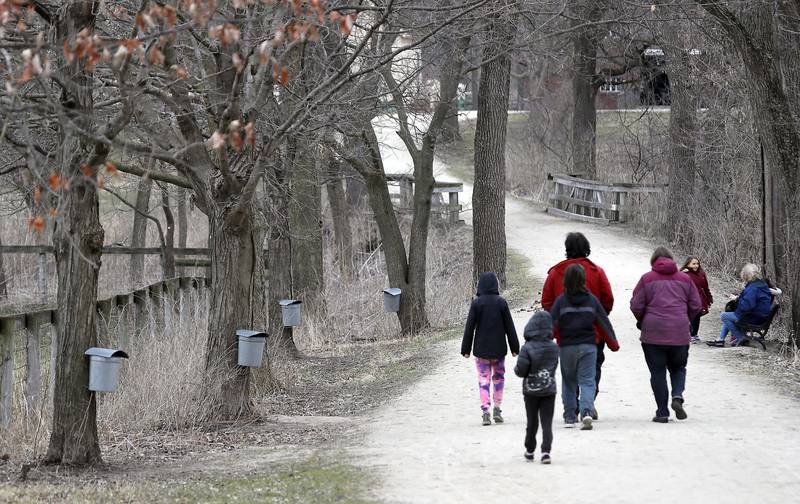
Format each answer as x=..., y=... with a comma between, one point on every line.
x=576, y=315
x=489, y=323
x=538, y=358
x=596, y=283
x=754, y=303
x=664, y=301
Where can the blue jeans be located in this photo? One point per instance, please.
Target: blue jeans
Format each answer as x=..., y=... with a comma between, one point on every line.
x=578, y=368
x=729, y=320
x=660, y=359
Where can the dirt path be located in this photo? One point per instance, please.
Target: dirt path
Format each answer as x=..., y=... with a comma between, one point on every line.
x=428, y=446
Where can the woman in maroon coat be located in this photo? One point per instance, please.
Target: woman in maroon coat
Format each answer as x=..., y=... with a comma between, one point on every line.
x=692, y=268
x=664, y=301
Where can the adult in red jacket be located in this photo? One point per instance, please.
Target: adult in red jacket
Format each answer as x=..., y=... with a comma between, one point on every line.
x=578, y=250
x=663, y=302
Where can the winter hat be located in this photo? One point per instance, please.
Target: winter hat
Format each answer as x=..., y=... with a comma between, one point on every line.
x=540, y=324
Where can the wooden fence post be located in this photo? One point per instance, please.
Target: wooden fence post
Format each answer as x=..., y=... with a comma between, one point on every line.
x=6, y=369
x=140, y=309
x=156, y=295
x=103, y=320
x=41, y=273
x=33, y=369
x=124, y=317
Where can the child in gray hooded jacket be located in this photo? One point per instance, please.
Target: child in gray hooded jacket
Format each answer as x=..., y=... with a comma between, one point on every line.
x=536, y=364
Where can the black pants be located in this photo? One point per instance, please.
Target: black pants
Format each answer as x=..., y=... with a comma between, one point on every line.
x=601, y=357
x=660, y=359
x=695, y=325
x=539, y=408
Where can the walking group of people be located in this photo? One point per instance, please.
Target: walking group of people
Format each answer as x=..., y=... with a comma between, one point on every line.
x=574, y=329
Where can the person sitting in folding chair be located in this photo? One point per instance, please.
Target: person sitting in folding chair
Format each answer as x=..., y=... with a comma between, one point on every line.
x=752, y=307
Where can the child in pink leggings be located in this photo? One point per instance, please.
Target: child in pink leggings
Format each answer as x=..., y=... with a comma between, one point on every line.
x=489, y=326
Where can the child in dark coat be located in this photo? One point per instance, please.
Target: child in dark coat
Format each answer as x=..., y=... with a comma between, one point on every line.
x=575, y=313
x=489, y=324
x=536, y=365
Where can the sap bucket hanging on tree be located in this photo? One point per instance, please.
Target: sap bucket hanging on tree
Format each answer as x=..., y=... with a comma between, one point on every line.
x=391, y=299
x=104, y=366
x=291, y=312
x=251, y=347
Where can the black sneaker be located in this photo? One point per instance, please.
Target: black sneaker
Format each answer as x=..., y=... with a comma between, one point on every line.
x=528, y=455
x=487, y=420
x=661, y=419
x=545, y=458
x=498, y=417
x=570, y=422
x=594, y=413
x=677, y=407
x=586, y=421
x=716, y=343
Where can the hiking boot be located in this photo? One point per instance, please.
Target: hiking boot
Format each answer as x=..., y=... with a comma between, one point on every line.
x=528, y=455
x=586, y=421
x=487, y=420
x=677, y=407
x=661, y=419
x=498, y=418
x=545, y=458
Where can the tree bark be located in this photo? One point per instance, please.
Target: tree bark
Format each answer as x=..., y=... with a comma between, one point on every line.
x=237, y=302
x=450, y=132
x=78, y=242
x=3, y=278
x=139, y=233
x=168, y=265
x=682, y=136
x=584, y=86
x=280, y=255
x=342, y=234
x=183, y=223
x=306, y=229
x=489, y=193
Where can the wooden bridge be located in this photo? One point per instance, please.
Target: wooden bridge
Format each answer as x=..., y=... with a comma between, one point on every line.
x=593, y=201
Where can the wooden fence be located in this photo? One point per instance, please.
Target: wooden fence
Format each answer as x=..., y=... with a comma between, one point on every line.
x=443, y=212
x=119, y=319
x=593, y=201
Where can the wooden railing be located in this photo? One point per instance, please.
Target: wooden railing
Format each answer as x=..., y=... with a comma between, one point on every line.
x=445, y=212
x=593, y=201
x=129, y=314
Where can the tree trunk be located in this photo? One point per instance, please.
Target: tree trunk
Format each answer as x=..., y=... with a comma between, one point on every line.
x=280, y=256
x=3, y=278
x=78, y=242
x=342, y=234
x=139, y=233
x=168, y=254
x=183, y=223
x=412, y=314
x=682, y=135
x=306, y=229
x=489, y=193
x=237, y=302
x=450, y=132
x=584, y=87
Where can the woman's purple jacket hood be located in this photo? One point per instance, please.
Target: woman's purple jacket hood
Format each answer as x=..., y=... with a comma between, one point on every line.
x=664, y=301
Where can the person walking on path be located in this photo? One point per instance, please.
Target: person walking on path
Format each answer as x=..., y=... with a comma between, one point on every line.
x=752, y=306
x=663, y=302
x=577, y=250
x=575, y=314
x=692, y=268
x=489, y=326
x=536, y=365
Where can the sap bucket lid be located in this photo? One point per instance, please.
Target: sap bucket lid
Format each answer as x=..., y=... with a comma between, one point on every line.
x=392, y=291
x=288, y=302
x=105, y=352
x=247, y=333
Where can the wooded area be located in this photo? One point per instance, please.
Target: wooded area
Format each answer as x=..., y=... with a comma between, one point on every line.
x=257, y=131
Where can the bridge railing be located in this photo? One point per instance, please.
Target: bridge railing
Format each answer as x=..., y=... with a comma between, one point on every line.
x=593, y=201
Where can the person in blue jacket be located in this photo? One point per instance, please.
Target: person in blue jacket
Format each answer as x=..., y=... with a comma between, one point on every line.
x=752, y=306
